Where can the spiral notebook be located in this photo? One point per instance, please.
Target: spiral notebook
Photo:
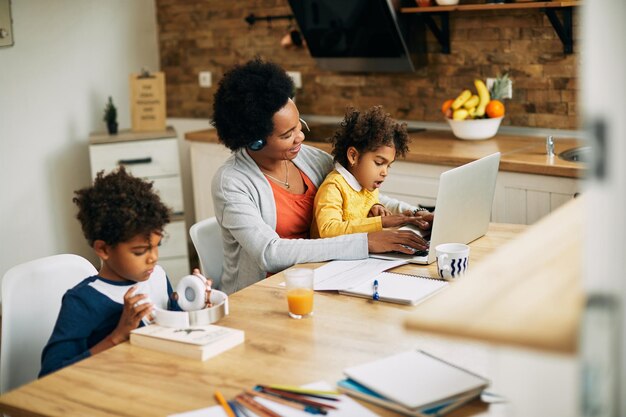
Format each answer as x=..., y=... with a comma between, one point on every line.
x=398, y=288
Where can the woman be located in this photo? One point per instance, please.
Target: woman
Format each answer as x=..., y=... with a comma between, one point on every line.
x=263, y=194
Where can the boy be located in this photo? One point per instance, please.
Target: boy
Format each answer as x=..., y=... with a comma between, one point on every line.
x=122, y=219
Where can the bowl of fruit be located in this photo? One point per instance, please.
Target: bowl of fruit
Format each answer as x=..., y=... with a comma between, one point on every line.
x=474, y=116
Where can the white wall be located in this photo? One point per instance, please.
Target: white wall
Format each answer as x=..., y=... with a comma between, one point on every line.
x=68, y=57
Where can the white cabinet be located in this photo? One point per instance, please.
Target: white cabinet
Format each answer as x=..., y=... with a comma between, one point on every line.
x=153, y=156
x=526, y=198
x=206, y=158
x=519, y=198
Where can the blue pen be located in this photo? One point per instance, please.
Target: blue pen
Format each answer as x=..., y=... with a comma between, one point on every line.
x=375, y=295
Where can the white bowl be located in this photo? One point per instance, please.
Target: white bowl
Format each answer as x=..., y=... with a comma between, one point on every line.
x=447, y=2
x=476, y=129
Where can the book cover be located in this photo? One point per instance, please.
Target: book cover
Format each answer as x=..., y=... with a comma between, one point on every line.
x=195, y=342
x=416, y=379
x=357, y=390
x=399, y=288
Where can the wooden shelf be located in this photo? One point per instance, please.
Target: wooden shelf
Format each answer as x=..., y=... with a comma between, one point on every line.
x=491, y=6
x=562, y=26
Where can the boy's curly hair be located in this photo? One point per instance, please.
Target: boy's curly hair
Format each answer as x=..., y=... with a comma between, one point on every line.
x=118, y=207
x=367, y=132
x=246, y=100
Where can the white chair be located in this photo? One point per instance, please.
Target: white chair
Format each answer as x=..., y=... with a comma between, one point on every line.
x=31, y=300
x=206, y=236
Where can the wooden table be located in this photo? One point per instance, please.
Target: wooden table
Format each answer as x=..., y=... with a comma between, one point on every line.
x=131, y=381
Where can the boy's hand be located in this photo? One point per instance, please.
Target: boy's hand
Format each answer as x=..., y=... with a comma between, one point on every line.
x=378, y=210
x=209, y=284
x=134, y=310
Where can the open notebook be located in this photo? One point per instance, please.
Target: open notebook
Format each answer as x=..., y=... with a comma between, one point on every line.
x=398, y=288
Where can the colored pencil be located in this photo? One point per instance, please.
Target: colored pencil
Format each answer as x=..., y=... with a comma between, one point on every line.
x=220, y=399
x=305, y=391
x=288, y=402
x=296, y=397
x=255, y=406
x=235, y=409
x=242, y=409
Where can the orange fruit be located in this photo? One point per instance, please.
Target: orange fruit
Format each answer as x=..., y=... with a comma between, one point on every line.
x=446, y=105
x=494, y=108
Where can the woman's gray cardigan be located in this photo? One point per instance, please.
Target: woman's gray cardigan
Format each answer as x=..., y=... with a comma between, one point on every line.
x=246, y=212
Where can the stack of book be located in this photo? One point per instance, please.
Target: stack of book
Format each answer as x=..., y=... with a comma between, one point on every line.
x=195, y=342
x=414, y=383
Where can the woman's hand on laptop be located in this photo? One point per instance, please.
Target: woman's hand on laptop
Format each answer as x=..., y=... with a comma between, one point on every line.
x=395, y=240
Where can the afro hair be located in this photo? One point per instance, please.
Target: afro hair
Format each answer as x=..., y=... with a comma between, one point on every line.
x=367, y=132
x=247, y=98
x=118, y=207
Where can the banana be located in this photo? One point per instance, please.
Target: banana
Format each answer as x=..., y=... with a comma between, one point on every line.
x=472, y=112
x=462, y=98
x=472, y=102
x=460, y=114
x=483, y=95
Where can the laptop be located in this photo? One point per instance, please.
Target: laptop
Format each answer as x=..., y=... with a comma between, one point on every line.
x=464, y=201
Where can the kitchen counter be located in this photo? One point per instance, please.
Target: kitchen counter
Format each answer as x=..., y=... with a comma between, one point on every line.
x=523, y=154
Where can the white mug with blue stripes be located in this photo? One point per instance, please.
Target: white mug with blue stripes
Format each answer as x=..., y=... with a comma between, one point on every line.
x=452, y=260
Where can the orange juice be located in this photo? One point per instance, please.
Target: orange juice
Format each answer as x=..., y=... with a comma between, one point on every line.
x=300, y=301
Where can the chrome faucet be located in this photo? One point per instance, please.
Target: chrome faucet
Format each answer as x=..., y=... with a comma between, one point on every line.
x=550, y=146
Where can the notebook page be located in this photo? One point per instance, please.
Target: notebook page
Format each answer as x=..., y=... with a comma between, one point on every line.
x=399, y=288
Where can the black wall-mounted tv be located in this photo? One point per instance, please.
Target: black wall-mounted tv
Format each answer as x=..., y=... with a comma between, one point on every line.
x=360, y=35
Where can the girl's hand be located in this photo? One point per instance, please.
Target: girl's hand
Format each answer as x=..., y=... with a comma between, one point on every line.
x=378, y=210
x=404, y=241
x=209, y=284
x=397, y=220
x=424, y=218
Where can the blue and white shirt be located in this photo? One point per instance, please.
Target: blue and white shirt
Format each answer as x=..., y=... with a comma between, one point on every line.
x=91, y=311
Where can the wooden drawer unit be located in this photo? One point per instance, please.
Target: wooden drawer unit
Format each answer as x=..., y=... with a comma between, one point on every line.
x=154, y=157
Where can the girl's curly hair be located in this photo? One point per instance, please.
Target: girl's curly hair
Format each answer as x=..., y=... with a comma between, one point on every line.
x=246, y=100
x=368, y=131
x=118, y=207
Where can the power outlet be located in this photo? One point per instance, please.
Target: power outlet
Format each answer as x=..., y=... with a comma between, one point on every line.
x=204, y=79
x=296, y=77
x=509, y=89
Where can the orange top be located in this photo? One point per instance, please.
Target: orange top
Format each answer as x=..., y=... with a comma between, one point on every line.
x=294, y=212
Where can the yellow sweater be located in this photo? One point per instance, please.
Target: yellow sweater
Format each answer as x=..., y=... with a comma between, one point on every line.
x=339, y=209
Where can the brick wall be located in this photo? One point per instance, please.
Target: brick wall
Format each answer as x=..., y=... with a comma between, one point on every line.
x=211, y=35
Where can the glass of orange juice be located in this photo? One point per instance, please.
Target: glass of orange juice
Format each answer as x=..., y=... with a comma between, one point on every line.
x=299, y=282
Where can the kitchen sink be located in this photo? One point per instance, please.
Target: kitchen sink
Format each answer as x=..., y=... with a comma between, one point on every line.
x=579, y=154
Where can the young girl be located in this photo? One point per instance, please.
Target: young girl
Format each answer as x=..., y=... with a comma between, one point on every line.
x=364, y=147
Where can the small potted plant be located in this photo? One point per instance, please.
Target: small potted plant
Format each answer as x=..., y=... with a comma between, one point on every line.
x=110, y=117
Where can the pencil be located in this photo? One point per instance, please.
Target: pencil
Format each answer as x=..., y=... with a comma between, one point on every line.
x=242, y=409
x=291, y=403
x=331, y=397
x=255, y=406
x=296, y=397
x=233, y=407
x=305, y=391
x=220, y=399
